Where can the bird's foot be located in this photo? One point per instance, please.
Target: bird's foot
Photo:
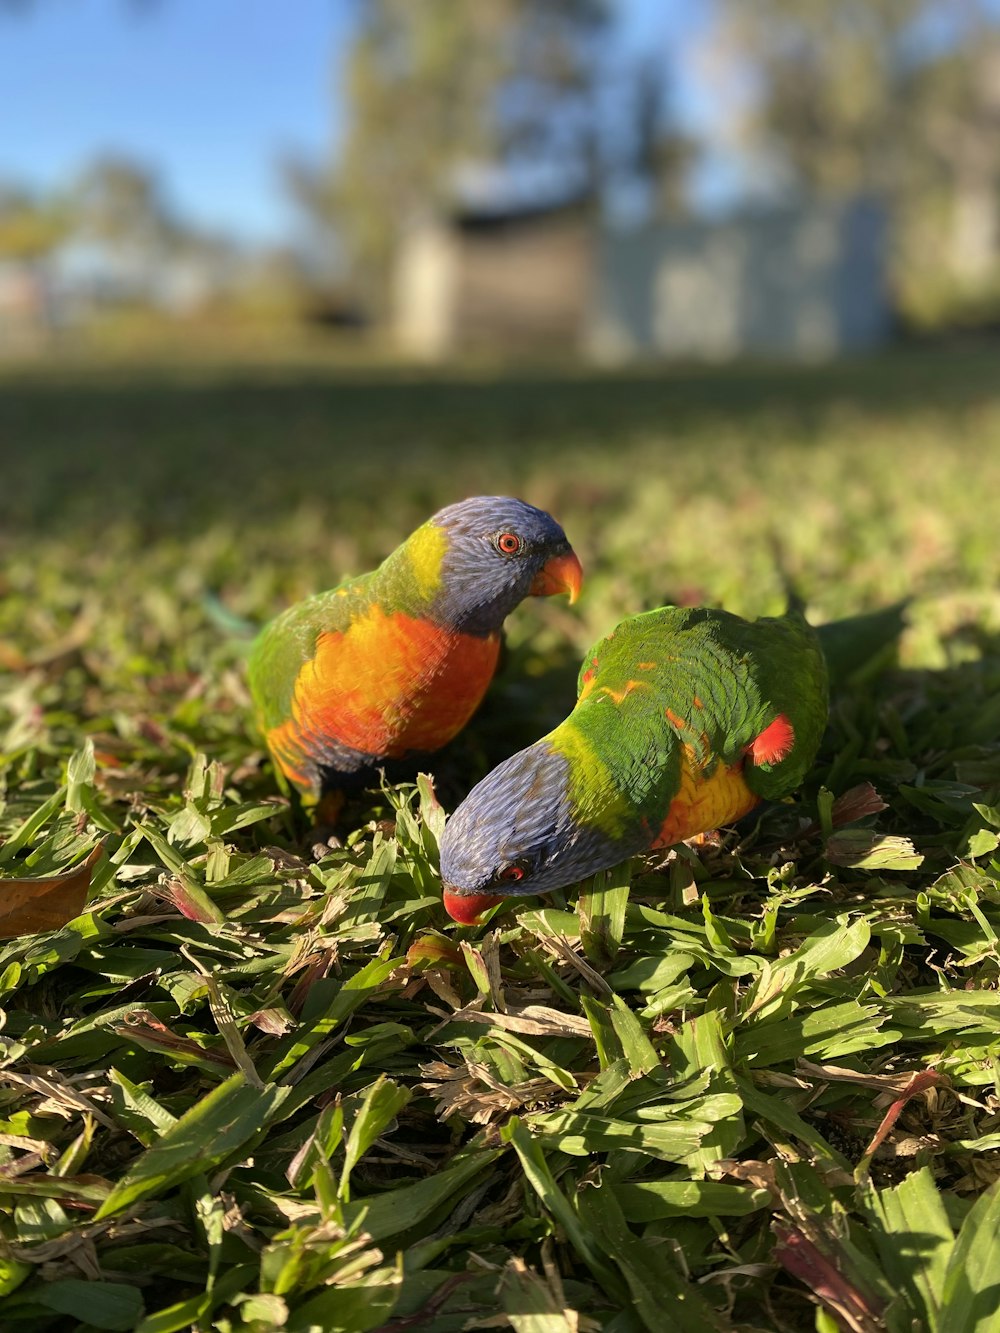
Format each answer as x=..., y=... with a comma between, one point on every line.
x=322, y=840
x=323, y=837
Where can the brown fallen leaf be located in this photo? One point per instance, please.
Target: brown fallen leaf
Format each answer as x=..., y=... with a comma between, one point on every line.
x=855, y=804
x=275, y=1022
x=28, y=906
x=758, y=1174
x=473, y=1092
x=59, y=1095
x=891, y=1086
x=534, y=1020
x=145, y=1029
x=761, y=1175
x=315, y=966
x=434, y=951
x=64, y=1245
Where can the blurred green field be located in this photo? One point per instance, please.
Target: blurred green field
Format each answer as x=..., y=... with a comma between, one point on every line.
x=240, y=1114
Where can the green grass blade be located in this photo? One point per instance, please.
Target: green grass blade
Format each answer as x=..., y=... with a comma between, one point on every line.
x=539, y=1176
x=910, y=1229
x=970, y=1297
x=382, y=1103
x=601, y=906
x=217, y=1126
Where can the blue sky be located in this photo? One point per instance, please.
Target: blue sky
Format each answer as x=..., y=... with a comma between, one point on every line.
x=211, y=93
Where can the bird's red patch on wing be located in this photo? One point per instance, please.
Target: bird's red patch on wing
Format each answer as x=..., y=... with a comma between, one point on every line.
x=389, y=685
x=674, y=720
x=467, y=908
x=697, y=702
x=774, y=743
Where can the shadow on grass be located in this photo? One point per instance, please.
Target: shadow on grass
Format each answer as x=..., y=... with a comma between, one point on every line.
x=173, y=448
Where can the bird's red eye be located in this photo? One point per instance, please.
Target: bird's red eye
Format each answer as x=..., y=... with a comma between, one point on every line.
x=511, y=874
x=509, y=542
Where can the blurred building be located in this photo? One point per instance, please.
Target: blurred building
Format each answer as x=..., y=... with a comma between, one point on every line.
x=806, y=282
x=496, y=279
x=26, y=304
x=800, y=283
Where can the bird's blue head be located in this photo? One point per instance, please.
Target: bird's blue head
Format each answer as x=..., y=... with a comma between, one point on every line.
x=497, y=551
x=515, y=834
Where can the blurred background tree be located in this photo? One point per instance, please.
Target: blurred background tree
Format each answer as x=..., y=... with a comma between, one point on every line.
x=436, y=91
x=498, y=99
x=899, y=99
x=31, y=227
x=121, y=202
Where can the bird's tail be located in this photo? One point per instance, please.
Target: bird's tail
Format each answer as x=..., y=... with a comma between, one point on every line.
x=236, y=626
x=859, y=647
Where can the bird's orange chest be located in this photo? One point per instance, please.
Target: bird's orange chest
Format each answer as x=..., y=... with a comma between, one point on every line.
x=704, y=801
x=392, y=684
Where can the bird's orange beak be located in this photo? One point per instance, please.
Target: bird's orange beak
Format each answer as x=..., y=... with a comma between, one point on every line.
x=467, y=908
x=563, y=573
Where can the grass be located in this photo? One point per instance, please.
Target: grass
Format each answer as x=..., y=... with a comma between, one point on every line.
x=755, y=1088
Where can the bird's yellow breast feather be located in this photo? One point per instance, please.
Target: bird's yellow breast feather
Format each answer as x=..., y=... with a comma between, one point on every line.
x=705, y=800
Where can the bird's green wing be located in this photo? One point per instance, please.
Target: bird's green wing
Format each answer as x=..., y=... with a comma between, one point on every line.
x=716, y=683
x=284, y=646
x=790, y=674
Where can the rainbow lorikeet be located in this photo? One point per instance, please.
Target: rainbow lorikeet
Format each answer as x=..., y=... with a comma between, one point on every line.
x=685, y=720
x=392, y=664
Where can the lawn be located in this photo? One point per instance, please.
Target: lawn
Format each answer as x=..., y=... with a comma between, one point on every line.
x=751, y=1088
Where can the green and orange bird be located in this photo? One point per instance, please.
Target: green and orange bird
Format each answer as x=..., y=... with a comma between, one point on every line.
x=685, y=720
x=392, y=664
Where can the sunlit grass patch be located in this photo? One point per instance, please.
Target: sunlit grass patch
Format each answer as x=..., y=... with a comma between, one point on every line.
x=752, y=1087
